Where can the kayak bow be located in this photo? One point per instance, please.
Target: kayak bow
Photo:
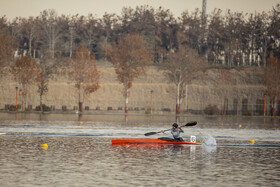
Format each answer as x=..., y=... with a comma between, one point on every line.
x=149, y=141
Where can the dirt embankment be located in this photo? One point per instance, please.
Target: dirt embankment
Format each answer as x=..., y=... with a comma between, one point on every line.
x=208, y=89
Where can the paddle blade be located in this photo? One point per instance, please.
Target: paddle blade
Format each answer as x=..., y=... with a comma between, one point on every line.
x=150, y=133
x=192, y=123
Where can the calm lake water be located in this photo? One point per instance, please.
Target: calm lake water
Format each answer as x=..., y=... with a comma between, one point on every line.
x=80, y=152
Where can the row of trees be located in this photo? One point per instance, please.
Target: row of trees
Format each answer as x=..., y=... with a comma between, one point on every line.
x=231, y=38
x=81, y=69
x=131, y=58
x=134, y=41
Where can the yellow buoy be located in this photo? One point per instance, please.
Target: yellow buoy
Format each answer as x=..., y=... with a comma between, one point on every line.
x=252, y=141
x=239, y=125
x=44, y=146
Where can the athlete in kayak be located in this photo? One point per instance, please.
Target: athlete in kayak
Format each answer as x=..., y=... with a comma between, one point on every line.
x=176, y=131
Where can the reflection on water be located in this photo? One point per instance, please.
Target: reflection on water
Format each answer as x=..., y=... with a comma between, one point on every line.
x=81, y=154
x=82, y=161
x=204, y=122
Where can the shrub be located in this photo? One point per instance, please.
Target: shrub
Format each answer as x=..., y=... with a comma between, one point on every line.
x=211, y=110
x=12, y=108
x=45, y=108
x=247, y=113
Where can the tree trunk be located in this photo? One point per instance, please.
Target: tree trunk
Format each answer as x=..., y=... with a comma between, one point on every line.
x=23, y=105
x=178, y=108
x=126, y=97
x=41, y=105
x=126, y=102
x=71, y=42
x=52, y=41
x=126, y=105
x=80, y=106
x=178, y=104
x=273, y=107
x=30, y=48
x=264, y=52
x=273, y=111
x=229, y=55
x=252, y=54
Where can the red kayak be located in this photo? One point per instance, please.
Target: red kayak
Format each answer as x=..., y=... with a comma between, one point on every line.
x=149, y=141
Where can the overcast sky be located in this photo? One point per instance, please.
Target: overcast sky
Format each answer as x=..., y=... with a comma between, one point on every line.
x=26, y=8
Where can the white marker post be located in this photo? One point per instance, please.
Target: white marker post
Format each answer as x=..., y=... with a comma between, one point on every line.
x=193, y=139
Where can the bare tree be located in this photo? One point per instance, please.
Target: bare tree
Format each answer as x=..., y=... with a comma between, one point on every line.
x=166, y=31
x=215, y=37
x=190, y=25
x=90, y=31
x=85, y=74
x=25, y=72
x=181, y=67
x=272, y=82
x=72, y=27
x=29, y=30
x=46, y=68
x=273, y=31
x=109, y=24
x=7, y=47
x=232, y=38
x=130, y=57
x=50, y=29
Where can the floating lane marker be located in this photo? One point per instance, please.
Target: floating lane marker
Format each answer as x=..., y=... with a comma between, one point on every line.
x=44, y=146
x=252, y=141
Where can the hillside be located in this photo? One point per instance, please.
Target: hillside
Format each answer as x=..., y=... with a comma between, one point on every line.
x=200, y=93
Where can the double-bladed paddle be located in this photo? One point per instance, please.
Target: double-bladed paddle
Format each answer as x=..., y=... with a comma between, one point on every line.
x=192, y=123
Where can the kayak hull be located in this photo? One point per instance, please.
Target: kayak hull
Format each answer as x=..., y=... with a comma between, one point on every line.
x=149, y=141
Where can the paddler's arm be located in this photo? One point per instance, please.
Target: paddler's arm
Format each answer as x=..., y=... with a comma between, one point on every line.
x=181, y=130
x=163, y=131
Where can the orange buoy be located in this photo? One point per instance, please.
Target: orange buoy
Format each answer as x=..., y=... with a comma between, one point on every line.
x=44, y=146
x=252, y=141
